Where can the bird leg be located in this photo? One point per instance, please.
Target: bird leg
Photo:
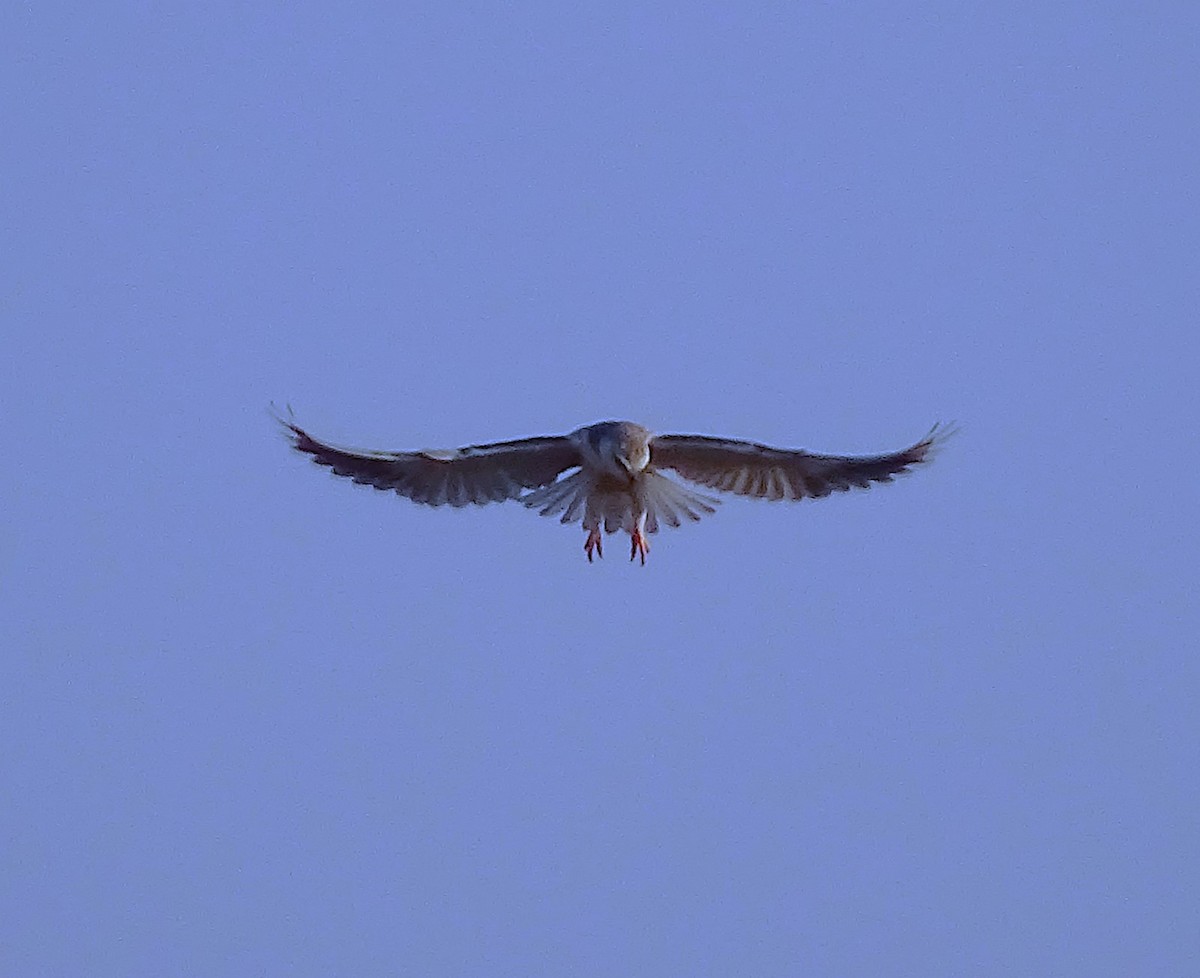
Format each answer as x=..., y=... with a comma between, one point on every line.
x=638, y=545
x=595, y=543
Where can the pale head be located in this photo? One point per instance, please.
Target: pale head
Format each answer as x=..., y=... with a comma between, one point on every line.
x=618, y=448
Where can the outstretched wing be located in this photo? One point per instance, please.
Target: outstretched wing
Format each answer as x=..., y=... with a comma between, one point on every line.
x=748, y=469
x=478, y=474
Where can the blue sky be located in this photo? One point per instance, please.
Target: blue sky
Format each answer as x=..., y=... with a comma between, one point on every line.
x=262, y=721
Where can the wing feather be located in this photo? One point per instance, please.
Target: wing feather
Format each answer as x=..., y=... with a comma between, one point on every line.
x=749, y=469
x=475, y=475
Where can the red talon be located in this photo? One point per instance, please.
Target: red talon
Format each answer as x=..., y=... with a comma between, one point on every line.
x=638, y=546
x=594, y=542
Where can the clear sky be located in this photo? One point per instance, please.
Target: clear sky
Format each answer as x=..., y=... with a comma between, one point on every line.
x=260, y=721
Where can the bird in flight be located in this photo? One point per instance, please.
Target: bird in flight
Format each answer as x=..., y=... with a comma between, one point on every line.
x=612, y=475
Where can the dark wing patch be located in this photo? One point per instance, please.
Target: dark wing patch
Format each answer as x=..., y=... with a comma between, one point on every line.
x=749, y=469
x=476, y=475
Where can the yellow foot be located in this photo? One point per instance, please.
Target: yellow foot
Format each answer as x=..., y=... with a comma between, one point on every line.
x=593, y=543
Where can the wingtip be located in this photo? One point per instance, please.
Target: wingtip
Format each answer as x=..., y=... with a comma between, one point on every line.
x=937, y=436
x=943, y=430
x=293, y=432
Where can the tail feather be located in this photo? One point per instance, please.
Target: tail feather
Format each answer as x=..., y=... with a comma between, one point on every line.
x=664, y=501
x=567, y=494
x=668, y=501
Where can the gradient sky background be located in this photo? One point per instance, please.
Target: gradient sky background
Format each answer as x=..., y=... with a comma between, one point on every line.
x=260, y=721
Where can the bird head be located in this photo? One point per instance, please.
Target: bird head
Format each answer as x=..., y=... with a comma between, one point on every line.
x=633, y=450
